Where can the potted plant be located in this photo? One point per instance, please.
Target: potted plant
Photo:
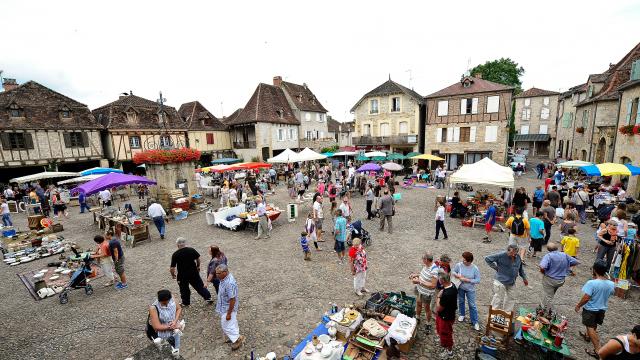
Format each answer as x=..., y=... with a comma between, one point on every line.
x=636, y=130
x=626, y=130
x=580, y=130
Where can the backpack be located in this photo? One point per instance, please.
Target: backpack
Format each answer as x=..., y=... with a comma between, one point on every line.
x=517, y=226
x=149, y=330
x=636, y=219
x=332, y=191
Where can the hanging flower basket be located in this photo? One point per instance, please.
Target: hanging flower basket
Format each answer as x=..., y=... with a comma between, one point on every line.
x=580, y=130
x=166, y=156
x=626, y=130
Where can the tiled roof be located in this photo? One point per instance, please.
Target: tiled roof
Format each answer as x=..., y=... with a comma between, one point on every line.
x=302, y=97
x=335, y=125
x=574, y=89
x=134, y=112
x=267, y=104
x=535, y=92
x=531, y=137
x=628, y=84
x=390, y=87
x=41, y=109
x=198, y=117
x=617, y=75
x=477, y=85
x=226, y=119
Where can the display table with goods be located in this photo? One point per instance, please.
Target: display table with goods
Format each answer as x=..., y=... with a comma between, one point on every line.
x=134, y=228
x=543, y=330
x=28, y=246
x=239, y=217
x=382, y=325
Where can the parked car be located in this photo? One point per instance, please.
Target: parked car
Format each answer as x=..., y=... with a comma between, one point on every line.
x=518, y=159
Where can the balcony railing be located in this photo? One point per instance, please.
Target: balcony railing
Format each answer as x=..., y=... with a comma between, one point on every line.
x=385, y=140
x=244, y=144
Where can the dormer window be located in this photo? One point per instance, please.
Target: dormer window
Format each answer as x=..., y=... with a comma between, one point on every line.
x=15, y=110
x=65, y=112
x=299, y=97
x=466, y=83
x=313, y=101
x=280, y=114
x=131, y=115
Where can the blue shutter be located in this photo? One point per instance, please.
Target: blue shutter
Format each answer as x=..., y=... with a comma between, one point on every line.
x=629, y=106
x=635, y=70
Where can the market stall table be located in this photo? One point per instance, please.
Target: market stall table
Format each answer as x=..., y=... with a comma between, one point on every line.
x=137, y=232
x=545, y=341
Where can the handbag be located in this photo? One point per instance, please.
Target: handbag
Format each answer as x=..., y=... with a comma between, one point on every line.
x=149, y=330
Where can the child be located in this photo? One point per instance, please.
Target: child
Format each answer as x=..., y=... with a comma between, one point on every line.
x=305, y=246
x=571, y=245
x=310, y=228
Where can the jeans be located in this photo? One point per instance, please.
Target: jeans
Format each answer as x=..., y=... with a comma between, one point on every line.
x=471, y=300
x=440, y=225
x=582, y=213
x=196, y=282
x=159, y=221
x=369, y=213
x=549, y=288
x=6, y=220
x=83, y=206
x=547, y=231
x=216, y=283
x=606, y=251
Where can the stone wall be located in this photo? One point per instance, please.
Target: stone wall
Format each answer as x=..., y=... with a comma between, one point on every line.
x=535, y=121
x=167, y=175
x=317, y=145
x=628, y=147
x=601, y=117
x=409, y=112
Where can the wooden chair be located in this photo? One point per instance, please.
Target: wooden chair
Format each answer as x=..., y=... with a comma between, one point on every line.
x=499, y=326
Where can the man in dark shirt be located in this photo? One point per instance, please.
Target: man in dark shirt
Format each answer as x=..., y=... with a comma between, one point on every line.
x=187, y=262
x=549, y=218
x=554, y=197
x=446, y=306
x=117, y=255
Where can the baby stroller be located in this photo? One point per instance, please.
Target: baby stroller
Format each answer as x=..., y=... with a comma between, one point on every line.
x=78, y=279
x=358, y=232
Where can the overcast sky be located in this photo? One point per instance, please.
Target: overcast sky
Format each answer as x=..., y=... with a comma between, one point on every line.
x=217, y=52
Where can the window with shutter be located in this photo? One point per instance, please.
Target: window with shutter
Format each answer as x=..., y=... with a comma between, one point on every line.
x=472, y=134
x=373, y=106
x=17, y=141
x=403, y=128
x=635, y=70
x=465, y=134
x=28, y=141
x=544, y=114
x=439, y=135
x=449, y=134
x=67, y=139
x=85, y=139
x=443, y=108
x=629, y=107
x=210, y=138
x=527, y=102
x=134, y=142
x=545, y=100
x=544, y=129
x=474, y=105
x=75, y=140
x=491, y=133
x=493, y=104
x=524, y=130
x=384, y=129
x=456, y=134
x=463, y=106
x=635, y=114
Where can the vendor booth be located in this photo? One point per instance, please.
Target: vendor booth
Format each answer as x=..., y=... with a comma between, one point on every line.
x=42, y=176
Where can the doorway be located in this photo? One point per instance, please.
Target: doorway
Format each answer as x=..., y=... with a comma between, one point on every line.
x=600, y=151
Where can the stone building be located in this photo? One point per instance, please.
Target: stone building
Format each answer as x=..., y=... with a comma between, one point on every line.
x=389, y=117
x=205, y=132
x=313, y=131
x=265, y=126
x=40, y=128
x=133, y=124
x=565, y=121
x=535, y=121
x=627, y=147
x=468, y=121
x=341, y=132
x=597, y=116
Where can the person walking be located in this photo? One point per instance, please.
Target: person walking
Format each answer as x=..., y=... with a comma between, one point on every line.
x=186, y=260
x=440, y=221
x=536, y=231
x=469, y=276
x=370, y=197
x=217, y=258
x=387, y=210
x=358, y=266
x=540, y=168
x=508, y=266
x=622, y=347
x=426, y=283
x=340, y=234
x=227, y=307
x=538, y=198
x=519, y=228
x=581, y=199
x=489, y=220
x=117, y=256
x=157, y=214
x=82, y=201
x=263, y=222
x=446, y=305
x=607, y=241
x=549, y=218
x=594, y=304
x=105, y=196
x=6, y=214
x=555, y=267
x=318, y=217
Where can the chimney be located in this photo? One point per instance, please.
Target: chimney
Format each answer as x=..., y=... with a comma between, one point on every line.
x=9, y=84
x=277, y=81
x=477, y=75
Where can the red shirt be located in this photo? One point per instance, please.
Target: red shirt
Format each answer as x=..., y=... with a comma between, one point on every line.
x=352, y=252
x=547, y=182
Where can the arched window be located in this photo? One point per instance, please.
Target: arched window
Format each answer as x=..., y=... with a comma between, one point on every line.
x=384, y=129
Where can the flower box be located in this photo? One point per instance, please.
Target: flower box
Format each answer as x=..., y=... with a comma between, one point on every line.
x=580, y=130
x=169, y=156
x=626, y=130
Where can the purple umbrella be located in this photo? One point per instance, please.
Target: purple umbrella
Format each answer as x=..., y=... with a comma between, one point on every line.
x=369, y=167
x=109, y=181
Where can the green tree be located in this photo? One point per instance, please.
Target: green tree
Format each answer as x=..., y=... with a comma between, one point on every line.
x=507, y=72
x=503, y=71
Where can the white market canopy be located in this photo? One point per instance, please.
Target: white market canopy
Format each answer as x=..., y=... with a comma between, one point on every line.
x=43, y=175
x=345, y=153
x=375, y=154
x=310, y=155
x=285, y=157
x=80, y=179
x=486, y=172
x=573, y=164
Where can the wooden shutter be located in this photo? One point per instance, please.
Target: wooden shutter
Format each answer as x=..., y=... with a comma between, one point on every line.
x=635, y=70
x=438, y=136
x=472, y=133
x=67, y=139
x=474, y=106
x=629, y=107
x=28, y=141
x=463, y=106
x=638, y=109
x=85, y=139
x=450, y=134
x=6, y=142
x=456, y=134
x=210, y=138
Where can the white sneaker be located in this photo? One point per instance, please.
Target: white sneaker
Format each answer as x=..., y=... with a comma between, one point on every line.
x=175, y=352
x=358, y=293
x=446, y=354
x=476, y=327
x=461, y=318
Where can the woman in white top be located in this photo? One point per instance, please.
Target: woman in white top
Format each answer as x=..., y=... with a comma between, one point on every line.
x=164, y=318
x=440, y=221
x=622, y=346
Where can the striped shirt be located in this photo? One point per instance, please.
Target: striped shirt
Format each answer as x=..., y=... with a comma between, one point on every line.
x=227, y=290
x=426, y=276
x=166, y=314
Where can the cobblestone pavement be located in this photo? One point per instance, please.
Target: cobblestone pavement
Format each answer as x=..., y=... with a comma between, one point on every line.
x=282, y=297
